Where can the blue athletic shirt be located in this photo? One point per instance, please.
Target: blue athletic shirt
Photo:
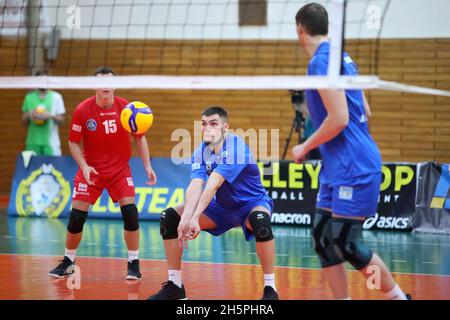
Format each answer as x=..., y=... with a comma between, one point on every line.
x=352, y=153
x=235, y=162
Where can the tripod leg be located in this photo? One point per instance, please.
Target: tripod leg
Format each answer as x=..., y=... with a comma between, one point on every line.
x=288, y=140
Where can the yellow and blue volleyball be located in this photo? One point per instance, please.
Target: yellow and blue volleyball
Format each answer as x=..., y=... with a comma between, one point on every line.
x=136, y=118
x=40, y=110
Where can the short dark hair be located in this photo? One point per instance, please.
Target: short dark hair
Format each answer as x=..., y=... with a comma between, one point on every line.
x=103, y=70
x=215, y=110
x=314, y=18
x=41, y=73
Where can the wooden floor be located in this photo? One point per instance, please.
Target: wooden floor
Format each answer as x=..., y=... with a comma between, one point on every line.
x=224, y=267
x=26, y=277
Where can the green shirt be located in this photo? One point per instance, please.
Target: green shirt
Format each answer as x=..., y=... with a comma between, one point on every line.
x=45, y=135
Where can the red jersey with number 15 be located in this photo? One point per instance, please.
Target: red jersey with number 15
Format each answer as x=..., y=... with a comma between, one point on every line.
x=106, y=144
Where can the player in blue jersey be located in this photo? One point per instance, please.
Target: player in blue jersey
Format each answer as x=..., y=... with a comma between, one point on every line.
x=225, y=191
x=351, y=174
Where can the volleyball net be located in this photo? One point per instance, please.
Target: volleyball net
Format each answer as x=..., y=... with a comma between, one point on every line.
x=187, y=44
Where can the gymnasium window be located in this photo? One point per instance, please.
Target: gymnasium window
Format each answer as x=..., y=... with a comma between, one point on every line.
x=252, y=13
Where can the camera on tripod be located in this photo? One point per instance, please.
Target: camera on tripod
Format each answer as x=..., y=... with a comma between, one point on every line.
x=297, y=100
x=298, y=123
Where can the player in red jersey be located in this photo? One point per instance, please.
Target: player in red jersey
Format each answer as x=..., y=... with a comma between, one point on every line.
x=103, y=163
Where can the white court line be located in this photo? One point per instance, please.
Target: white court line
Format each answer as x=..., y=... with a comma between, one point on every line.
x=410, y=242
x=218, y=263
x=203, y=251
x=278, y=254
x=430, y=262
x=400, y=261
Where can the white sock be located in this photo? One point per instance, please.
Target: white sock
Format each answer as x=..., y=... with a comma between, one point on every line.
x=70, y=254
x=269, y=280
x=175, y=277
x=348, y=298
x=395, y=294
x=133, y=255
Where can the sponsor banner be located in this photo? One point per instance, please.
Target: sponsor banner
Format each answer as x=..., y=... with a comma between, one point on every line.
x=433, y=199
x=293, y=188
x=45, y=186
x=42, y=186
x=396, y=204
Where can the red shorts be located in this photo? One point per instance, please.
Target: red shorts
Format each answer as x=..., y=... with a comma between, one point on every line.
x=119, y=185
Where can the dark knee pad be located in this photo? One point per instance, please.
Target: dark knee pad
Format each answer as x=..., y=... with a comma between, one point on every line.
x=261, y=225
x=347, y=239
x=77, y=219
x=130, y=217
x=169, y=221
x=323, y=239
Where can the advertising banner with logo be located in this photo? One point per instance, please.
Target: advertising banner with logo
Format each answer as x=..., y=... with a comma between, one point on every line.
x=433, y=199
x=396, y=204
x=44, y=188
x=294, y=187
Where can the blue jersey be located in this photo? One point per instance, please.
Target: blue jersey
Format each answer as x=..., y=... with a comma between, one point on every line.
x=235, y=162
x=352, y=153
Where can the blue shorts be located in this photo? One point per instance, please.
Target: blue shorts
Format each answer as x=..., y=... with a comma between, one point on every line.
x=226, y=219
x=356, y=199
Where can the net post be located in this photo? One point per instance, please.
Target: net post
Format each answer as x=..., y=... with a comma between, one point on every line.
x=34, y=37
x=336, y=34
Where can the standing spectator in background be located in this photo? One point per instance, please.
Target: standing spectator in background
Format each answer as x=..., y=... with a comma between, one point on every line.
x=43, y=111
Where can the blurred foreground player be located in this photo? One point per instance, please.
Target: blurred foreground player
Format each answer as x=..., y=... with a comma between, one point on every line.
x=103, y=163
x=225, y=191
x=351, y=174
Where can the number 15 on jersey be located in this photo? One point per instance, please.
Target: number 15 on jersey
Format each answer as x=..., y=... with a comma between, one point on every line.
x=110, y=126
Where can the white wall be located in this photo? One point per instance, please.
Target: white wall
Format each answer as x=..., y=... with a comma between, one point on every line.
x=403, y=19
x=418, y=19
x=218, y=19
